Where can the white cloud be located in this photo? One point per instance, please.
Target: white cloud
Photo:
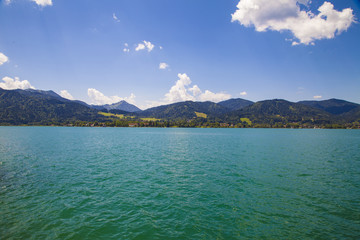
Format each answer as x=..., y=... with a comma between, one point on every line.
x=213, y=97
x=3, y=58
x=126, y=48
x=7, y=2
x=149, y=46
x=286, y=15
x=145, y=45
x=195, y=90
x=182, y=91
x=15, y=83
x=131, y=99
x=163, y=65
x=243, y=93
x=179, y=92
x=66, y=94
x=99, y=98
x=139, y=47
x=115, y=18
x=43, y=3
x=317, y=97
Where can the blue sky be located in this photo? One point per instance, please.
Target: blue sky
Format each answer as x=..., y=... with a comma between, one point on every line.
x=88, y=48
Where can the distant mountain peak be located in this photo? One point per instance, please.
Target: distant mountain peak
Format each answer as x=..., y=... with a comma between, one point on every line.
x=122, y=105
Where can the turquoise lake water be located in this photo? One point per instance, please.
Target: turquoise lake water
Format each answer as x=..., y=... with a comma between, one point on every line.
x=141, y=183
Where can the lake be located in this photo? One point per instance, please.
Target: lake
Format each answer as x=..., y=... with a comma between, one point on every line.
x=149, y=183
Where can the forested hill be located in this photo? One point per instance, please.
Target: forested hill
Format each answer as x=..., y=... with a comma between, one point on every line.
x=185, y=110
x=235, y=103
x=19, y=107
x=341, y=110
x=282, y=111
x=333, y=106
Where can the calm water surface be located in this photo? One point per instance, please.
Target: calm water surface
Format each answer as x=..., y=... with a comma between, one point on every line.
x=125, y=183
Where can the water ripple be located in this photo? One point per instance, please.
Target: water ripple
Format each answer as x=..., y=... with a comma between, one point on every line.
x=86, y=183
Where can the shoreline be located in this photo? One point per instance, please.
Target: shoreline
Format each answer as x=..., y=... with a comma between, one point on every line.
x=65, y=126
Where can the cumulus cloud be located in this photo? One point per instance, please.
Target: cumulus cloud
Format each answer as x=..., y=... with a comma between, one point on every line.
x=183, y=91
x=15, y=83
x=213, y=97
x=43, y=3
x=145, y=45
x=3, y=58
x=287, y=15
x=149, y=46
x=139, y=47
x=66, y=94
x=163, y=65
x=99, y=98
x=195, y=90
x=317, y=97
x=131, y=98
x=179, y=92
x=243, y=93
x=116, y=19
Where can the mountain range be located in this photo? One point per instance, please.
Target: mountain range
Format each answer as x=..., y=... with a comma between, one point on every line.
x=37, y=107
